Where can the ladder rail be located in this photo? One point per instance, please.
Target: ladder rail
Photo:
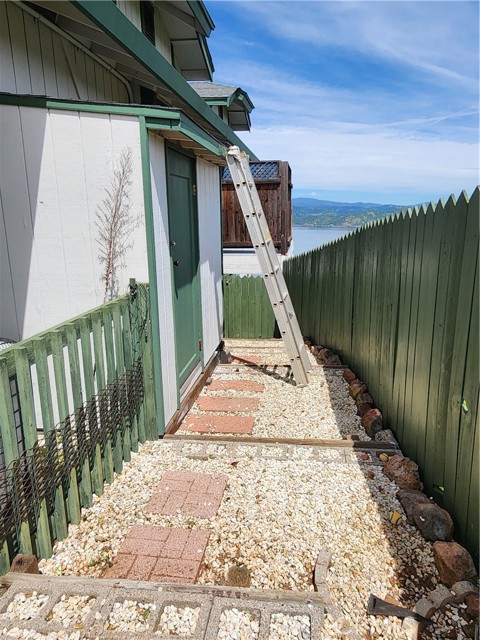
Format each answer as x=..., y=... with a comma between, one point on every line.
x=257, y=225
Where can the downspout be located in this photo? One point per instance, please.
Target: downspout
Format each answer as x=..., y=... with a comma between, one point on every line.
x=79, y=45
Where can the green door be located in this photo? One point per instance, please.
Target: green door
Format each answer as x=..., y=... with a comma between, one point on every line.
x=182, y=219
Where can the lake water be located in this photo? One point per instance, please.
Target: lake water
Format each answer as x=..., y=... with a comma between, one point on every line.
x=307, y=238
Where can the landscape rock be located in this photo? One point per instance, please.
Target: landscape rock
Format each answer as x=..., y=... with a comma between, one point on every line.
x=433, y=522
x=363, y=408
x=409, y=499
x=349, y=375
x=463, y=589
x=333, y=361
x=356, y=388
x=454, y=563
x=385, y=436
x=364, y=398
x=425, y=607
x=441, y=596
x=473, y=604
x=372, y=422
x=403, y=471
x=24, y=563
x=324, y=354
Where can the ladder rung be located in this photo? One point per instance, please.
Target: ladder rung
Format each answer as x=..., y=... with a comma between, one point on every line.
x=257, y=225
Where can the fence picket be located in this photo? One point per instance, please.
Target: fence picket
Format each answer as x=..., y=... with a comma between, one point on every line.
x=22, y=366
x=73, y=500
x=59, y=517
x=85, y=486
x=88, y=374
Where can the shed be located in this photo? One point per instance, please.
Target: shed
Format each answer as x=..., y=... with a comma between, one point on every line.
x=273, y=179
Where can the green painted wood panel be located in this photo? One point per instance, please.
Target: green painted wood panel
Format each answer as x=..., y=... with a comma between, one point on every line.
x=398, y=300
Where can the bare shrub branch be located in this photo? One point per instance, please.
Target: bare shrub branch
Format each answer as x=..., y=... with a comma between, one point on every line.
x=115, y=224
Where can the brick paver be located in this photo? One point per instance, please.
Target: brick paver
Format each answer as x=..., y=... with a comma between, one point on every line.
x=247, y=359
x=236, y=385
x=189, y=494
x=218, y=424
x=227, y=405
x=164, y=554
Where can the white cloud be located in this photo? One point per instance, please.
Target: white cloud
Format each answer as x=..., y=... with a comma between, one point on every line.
x=430, y=36
x=375, y=160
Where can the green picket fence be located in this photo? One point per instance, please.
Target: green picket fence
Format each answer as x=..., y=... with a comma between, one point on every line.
x=74, y=402
x=398, y=300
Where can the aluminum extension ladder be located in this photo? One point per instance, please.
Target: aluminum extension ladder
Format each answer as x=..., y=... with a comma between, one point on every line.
x=238, y=163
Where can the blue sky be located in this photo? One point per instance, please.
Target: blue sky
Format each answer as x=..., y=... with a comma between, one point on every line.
x=368, y=100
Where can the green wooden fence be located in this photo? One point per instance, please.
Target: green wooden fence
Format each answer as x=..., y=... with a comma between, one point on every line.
x=247, y=311
x=74, y=402
x=398, y=301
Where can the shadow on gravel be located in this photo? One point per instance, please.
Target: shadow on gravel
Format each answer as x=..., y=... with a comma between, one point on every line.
x=414, y=573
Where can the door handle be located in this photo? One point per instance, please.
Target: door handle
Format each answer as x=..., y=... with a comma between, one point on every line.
x=176, y=263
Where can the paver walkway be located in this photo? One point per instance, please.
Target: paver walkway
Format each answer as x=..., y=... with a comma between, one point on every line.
x=171, y=554
x=188, y=494
x=233, y=408
x=163, y=554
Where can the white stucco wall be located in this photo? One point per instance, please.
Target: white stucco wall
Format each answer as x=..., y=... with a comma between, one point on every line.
x=54, y=169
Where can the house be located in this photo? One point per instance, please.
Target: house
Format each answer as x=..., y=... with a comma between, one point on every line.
x=97, y=118
x=273, y=180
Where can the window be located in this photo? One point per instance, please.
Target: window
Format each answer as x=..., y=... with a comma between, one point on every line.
x=148, y=20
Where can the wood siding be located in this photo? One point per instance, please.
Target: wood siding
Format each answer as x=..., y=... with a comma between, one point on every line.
x=210, y=241
x=37, y=61
x=52, y=179
x=131, y=8
x=275, y=198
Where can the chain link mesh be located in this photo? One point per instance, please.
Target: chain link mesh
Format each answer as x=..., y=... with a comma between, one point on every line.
x=40, y=471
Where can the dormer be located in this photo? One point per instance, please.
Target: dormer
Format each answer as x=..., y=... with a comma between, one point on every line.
x=231, y=103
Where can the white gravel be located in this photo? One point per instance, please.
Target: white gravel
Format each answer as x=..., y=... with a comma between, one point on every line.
x=236, y=624
x=178, y=621
x=25, y=606
x=285, y=627
x=130, y=616
x=277, y=515
x=71, y=610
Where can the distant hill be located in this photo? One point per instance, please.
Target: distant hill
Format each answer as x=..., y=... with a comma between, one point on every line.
x=311, y=212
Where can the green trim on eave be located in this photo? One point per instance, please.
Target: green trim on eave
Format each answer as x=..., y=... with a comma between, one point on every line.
x=201, y=15
x=239, y=95
x=108, y=17
x=156, y=118
x=202, y=41
x=152, y=277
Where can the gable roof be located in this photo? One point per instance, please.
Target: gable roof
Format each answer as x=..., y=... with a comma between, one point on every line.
x=235, y=99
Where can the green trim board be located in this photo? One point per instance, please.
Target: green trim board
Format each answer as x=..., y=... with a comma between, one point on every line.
x=202, y=16
x=202, y=41
x=156, y=118
x=152, y=276
x=108, y=17
x=227, y=101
